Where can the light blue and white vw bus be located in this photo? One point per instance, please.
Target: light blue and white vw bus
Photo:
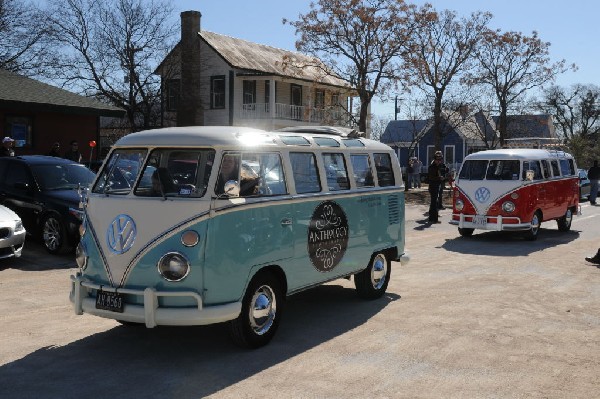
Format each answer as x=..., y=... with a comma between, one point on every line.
x=201, y=225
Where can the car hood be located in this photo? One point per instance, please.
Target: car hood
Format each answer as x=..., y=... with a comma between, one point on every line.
x=7, y=214
x=70, y=197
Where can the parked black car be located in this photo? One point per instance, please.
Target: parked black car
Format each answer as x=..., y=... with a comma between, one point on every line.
x=43, y=191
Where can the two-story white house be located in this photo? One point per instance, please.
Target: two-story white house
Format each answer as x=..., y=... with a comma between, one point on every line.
x=213, y=79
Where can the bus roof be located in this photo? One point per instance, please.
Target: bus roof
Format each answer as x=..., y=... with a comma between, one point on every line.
x=233, y=136
x=518, y=153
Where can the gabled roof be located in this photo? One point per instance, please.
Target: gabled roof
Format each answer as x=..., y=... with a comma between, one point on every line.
x=529, y=126
x=243, y=54
x=403, y=131
x=19, y=91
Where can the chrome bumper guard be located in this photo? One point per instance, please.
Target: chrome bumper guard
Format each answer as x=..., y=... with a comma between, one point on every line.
x=498, y=226
x=150, y=313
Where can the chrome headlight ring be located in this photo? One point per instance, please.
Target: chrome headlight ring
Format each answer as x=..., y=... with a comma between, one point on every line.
x=508, y=207
x=173, y=266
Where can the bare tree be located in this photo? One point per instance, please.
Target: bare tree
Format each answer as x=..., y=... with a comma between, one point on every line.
x=442, y=48
x=358, y=40
x=23, y=37
x=576, y=110
x=511, y=63
x=110, y=50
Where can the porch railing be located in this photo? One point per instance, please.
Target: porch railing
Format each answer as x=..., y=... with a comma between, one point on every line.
x=326, y=115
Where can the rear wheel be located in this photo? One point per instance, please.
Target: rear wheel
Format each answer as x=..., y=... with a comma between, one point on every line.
x=54, y=235
x=262, y=308
x=465, y=232
x=372, y=282
x=564, y=223
x=534, y=229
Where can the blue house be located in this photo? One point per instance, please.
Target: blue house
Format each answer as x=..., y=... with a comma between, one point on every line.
x=464, y=134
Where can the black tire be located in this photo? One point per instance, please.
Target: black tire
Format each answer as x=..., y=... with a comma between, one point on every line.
x=534, y=230
x=372, y=282
x=465, y=232
x=54, y=235
x=262, y=308
x=564, y=223
x=131, y=324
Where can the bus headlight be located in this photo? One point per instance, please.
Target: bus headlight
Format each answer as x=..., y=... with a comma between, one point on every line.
x=508, y=206
x=173, y=266
x=81, y=256
x=459, y=205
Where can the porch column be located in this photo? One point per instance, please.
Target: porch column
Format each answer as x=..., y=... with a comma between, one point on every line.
x=272, y=101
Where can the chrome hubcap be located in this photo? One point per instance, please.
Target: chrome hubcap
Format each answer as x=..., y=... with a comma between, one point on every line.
x=263, y=309
x=379, y=271
x=568, y=217
x=535, y=224
x=52, y=233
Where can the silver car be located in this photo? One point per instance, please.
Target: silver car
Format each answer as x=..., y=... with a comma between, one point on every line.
x=584, y=184
x=12, y=233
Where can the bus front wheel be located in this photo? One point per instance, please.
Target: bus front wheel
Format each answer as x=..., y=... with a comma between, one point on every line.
x=534, y=230
x=262, y=308
x=372, y=282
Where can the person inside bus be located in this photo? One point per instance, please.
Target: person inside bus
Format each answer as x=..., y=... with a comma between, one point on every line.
x=229, y=171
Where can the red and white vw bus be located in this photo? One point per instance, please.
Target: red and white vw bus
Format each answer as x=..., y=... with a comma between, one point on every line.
x=516, y=190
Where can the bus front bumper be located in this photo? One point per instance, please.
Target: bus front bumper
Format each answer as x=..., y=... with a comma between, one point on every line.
x=150, y=313
x=495, y=223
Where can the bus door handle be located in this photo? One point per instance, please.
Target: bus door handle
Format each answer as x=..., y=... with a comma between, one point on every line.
x=286, y=222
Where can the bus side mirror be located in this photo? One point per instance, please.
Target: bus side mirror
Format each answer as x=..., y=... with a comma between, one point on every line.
x=529, y=175
x=232, y=188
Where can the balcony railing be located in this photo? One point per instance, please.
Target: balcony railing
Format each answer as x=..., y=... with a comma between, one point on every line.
x=331, y=115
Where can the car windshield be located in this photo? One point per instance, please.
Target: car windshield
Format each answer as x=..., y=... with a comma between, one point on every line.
x=62, y=176
x=120, y=172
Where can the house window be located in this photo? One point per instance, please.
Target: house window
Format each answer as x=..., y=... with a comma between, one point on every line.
x=449, y=154
x=249, y=92
x=335, y=99
x=319, y=98
x=20, y=129
x=217, y=92
x=173, y=86
x=296, y=95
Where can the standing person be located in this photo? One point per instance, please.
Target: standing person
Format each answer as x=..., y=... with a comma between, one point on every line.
x=417, y=167
x=444, y=173
x=7, y=147
x=73, y=153
x=594, y=259
x=594, y=176
x=55, y=150
x=435, y=181
x=409, y=174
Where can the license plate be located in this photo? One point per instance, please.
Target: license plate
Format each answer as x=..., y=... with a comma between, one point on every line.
x=109, y=301
x=479, y=220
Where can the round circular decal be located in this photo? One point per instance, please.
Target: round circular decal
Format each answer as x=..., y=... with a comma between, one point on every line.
x=482, y=194
x=327, y=236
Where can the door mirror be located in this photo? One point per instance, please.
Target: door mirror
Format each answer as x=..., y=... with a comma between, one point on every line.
x=232, y=189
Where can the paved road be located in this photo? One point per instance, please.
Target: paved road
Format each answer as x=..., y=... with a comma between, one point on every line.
x=480, y=317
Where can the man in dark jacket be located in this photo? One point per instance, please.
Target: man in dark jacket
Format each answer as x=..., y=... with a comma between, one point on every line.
x=7, y=148
x=594, y=176
x=435, y=181
x=73, y=153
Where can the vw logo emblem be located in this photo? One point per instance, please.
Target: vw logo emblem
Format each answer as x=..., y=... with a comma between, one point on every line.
x=120, y=234
x=482, y=194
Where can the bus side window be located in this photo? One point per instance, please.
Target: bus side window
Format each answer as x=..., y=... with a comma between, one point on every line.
x=337, y=174
x=546, y=169
x=535, y=167
x=305, y=172
x=555, y=169
x=261, y=175
x=362, y=170
x=385, y=174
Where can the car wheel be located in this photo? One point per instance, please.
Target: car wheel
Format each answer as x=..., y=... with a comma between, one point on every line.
x=564, y=223
x=534, y=229
x=54, y=235
x=262, y=308
x=372, y=282
x=465, y=232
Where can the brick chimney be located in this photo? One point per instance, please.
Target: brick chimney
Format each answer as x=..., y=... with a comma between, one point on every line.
x=189, y=112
